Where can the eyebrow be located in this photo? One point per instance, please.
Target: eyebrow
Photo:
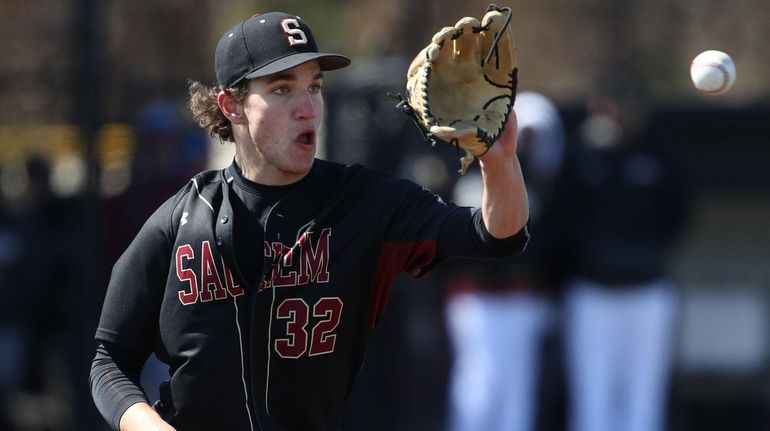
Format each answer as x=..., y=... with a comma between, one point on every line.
x=288, y=76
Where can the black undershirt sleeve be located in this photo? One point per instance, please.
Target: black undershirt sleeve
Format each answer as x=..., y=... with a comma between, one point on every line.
x=114, y=379
x=500, y=247
x=463, y=234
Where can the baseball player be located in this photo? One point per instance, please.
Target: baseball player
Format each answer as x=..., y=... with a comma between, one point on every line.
x=259, y=284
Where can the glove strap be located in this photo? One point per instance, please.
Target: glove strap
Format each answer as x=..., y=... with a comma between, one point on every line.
x=406, y=108
x=507, y=10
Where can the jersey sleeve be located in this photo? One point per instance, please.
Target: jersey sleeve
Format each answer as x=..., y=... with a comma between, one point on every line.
x=132, y=303
x=464, y=234
x=128, y=327
x=410, y=241
x=424, y=230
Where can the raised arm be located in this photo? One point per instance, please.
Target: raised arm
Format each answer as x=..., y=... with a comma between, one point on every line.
x=504, y=204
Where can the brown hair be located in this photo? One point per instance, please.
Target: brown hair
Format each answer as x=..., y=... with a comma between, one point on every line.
x=206, y=112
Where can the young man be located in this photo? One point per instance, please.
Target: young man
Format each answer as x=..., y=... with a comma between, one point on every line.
x=259, y=284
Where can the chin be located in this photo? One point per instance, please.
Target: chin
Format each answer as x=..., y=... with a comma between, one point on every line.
x=301, y=168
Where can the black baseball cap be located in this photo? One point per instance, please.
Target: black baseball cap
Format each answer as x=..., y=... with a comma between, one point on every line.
x=265, y=44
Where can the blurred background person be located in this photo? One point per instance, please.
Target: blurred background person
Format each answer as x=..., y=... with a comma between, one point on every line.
x=169, y=151
x=32, y=222
x=497, y=314
x=622, y=205
x=13, y=337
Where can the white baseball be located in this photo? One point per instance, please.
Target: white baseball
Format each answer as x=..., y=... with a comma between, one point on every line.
x=713, y=72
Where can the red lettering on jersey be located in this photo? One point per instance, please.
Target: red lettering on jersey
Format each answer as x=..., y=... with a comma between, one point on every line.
x=314, y=263
x=280, y=276
x=234, y=289
x=324, y=337
x=295, y=312
x=189, y=296
x=210, y=275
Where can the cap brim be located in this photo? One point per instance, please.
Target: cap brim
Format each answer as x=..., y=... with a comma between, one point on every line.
x=325, y=61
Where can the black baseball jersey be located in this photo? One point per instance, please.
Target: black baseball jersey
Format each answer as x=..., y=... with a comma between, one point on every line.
x=279, y=351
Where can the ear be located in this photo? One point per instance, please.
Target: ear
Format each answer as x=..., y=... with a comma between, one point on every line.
x=230, y=107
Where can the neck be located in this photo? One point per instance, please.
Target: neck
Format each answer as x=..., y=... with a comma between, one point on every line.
x=257, y=174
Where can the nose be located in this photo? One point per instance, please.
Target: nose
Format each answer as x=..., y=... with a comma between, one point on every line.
x=309, y=106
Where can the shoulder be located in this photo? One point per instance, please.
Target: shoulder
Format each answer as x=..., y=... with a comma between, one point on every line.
x=207, y=183
x=363, y=179
x=204, y=189
x=361, y=173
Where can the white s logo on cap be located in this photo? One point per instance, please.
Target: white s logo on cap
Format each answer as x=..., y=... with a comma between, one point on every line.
x=295, y=34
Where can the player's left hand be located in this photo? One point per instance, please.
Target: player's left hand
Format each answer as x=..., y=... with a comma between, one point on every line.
x=504, y=203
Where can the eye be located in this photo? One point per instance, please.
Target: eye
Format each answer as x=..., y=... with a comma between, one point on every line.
x=281, y=89
x=315, y=88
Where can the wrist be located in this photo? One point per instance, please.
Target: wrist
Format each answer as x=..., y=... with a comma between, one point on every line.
x=497, y=164
x=141, y=416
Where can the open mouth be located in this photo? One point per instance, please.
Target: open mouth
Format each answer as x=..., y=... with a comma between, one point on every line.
x=306, y=138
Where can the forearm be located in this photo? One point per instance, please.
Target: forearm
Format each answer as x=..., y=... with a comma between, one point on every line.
x=504, y=205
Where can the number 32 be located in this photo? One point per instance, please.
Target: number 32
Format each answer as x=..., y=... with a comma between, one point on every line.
x=296, y=312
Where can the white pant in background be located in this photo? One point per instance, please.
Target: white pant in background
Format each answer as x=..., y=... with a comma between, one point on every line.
x=496, y=339
x=618, y=344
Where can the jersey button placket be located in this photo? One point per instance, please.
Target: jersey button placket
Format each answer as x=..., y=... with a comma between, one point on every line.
x=225, y=218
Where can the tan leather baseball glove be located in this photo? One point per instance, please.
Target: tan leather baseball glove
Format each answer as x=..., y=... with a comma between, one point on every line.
x=461, y=87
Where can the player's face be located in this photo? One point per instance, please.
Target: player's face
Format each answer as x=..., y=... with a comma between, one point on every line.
x=283, y=113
